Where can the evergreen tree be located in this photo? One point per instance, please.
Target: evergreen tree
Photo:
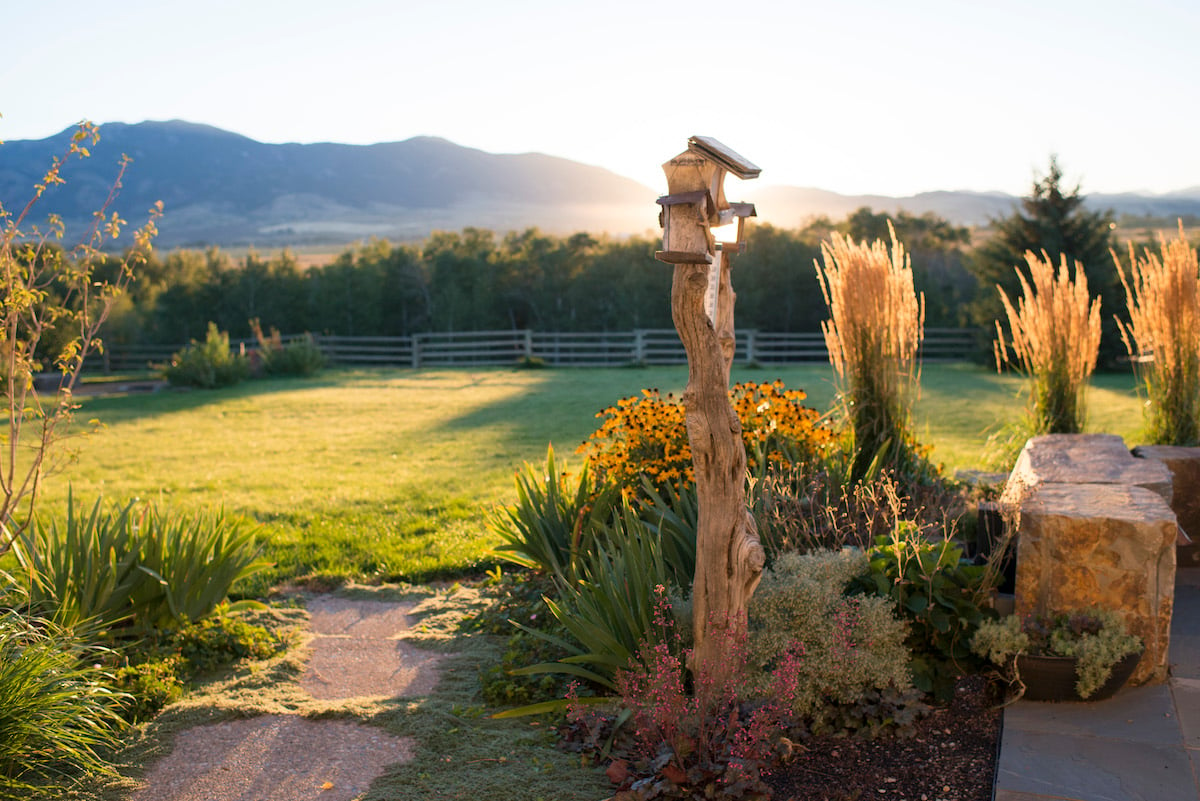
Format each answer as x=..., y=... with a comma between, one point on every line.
x=1053, y=220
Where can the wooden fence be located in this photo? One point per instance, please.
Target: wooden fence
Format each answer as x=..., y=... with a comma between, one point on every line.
x=597, y=349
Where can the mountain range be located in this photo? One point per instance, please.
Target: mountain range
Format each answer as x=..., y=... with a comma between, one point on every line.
x=222, y=188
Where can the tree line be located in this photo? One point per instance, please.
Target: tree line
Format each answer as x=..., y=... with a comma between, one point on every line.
x=477, y=280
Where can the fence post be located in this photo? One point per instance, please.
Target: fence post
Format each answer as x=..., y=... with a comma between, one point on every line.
x=750, y=346
x=639, y=346
x=416, y=351
x=528, y=344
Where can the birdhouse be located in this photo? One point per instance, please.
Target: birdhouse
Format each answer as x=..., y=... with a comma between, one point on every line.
x=687, y=237
x=696, y=200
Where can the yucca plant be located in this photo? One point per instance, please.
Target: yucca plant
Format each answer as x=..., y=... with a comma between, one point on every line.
x=196, y=559
x=136, y=569
x=84, y=566
x=609, y=611
x=554, y=519
x=1163, y=337
x=873, y=334
x=673, y=517
x=57, y=716
x=1054, y=339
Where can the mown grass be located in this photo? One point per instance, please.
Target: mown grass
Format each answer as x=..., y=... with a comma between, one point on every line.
x=384, y=475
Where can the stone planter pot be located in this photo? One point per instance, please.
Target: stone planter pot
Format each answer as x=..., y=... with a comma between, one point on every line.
x=1052, y=678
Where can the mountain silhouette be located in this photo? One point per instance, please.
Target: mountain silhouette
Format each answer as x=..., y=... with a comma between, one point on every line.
x=223, y=188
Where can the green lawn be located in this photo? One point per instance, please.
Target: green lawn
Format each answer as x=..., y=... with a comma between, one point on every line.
x=389, y=474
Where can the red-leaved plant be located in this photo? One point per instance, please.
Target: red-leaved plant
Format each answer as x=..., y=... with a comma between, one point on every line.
x=704, y=741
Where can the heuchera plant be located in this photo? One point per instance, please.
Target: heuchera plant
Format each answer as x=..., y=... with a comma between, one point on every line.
x=706, y=743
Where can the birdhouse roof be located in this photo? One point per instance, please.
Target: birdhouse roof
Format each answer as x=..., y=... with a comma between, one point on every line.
x=724, y=156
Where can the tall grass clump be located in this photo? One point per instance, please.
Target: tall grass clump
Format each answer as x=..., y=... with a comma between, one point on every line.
x=1054, y=339
x=57, y=715
x=1163, y=337
x=876, y=325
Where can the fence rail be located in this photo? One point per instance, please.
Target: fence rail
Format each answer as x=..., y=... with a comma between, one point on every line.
x=657, y=346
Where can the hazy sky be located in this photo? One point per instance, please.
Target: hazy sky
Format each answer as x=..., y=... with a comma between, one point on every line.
x=862, y=96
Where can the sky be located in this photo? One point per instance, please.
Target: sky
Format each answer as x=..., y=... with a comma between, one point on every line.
x=854, y=96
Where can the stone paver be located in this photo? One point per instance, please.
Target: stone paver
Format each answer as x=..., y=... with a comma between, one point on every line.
x=356, y=652
x=274, y=758
x=1045, y=765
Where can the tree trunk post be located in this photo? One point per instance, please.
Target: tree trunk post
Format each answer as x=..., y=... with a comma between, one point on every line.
x=729, y=557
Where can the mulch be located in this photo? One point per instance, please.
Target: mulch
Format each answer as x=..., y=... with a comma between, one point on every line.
x=948, y=756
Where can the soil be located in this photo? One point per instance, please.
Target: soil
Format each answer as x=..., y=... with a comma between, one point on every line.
x=948, y=756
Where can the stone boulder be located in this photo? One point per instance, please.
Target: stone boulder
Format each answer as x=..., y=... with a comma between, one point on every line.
x=1086, y=459
x=1098, y=544
x=1184, y=464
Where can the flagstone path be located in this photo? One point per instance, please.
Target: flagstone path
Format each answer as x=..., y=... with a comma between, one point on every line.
x=357, y=651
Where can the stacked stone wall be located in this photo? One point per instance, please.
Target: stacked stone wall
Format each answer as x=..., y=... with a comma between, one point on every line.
x=1095, y=527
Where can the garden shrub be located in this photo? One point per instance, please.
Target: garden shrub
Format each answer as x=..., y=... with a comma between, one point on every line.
x=198, y=557
x=943, y=596
x=154, y=670
x=136, y=569
x=300, y=356
x=1163, y=337
x=85, y=566
x=851, y=645
x=609, y=610
x=207, y=365
x=646, y=436
x=57, y=713
x=149, y=686
x=809, y=509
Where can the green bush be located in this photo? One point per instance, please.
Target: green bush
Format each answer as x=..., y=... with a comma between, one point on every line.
x=57, y=714
x=207, y=365
x=136, y=569
x=943, y=596
x=299, y=357
x=851, y=645
x=149, y=686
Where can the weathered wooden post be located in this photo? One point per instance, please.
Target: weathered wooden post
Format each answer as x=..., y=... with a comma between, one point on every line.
x=729, y=557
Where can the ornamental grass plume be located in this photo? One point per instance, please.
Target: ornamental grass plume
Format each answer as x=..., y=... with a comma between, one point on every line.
x=1163, y=337
x=874, y=333
x=1054, y=340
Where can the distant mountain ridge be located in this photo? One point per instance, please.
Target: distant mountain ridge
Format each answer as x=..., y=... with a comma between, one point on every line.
x=790, y=206
x=223, y=188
